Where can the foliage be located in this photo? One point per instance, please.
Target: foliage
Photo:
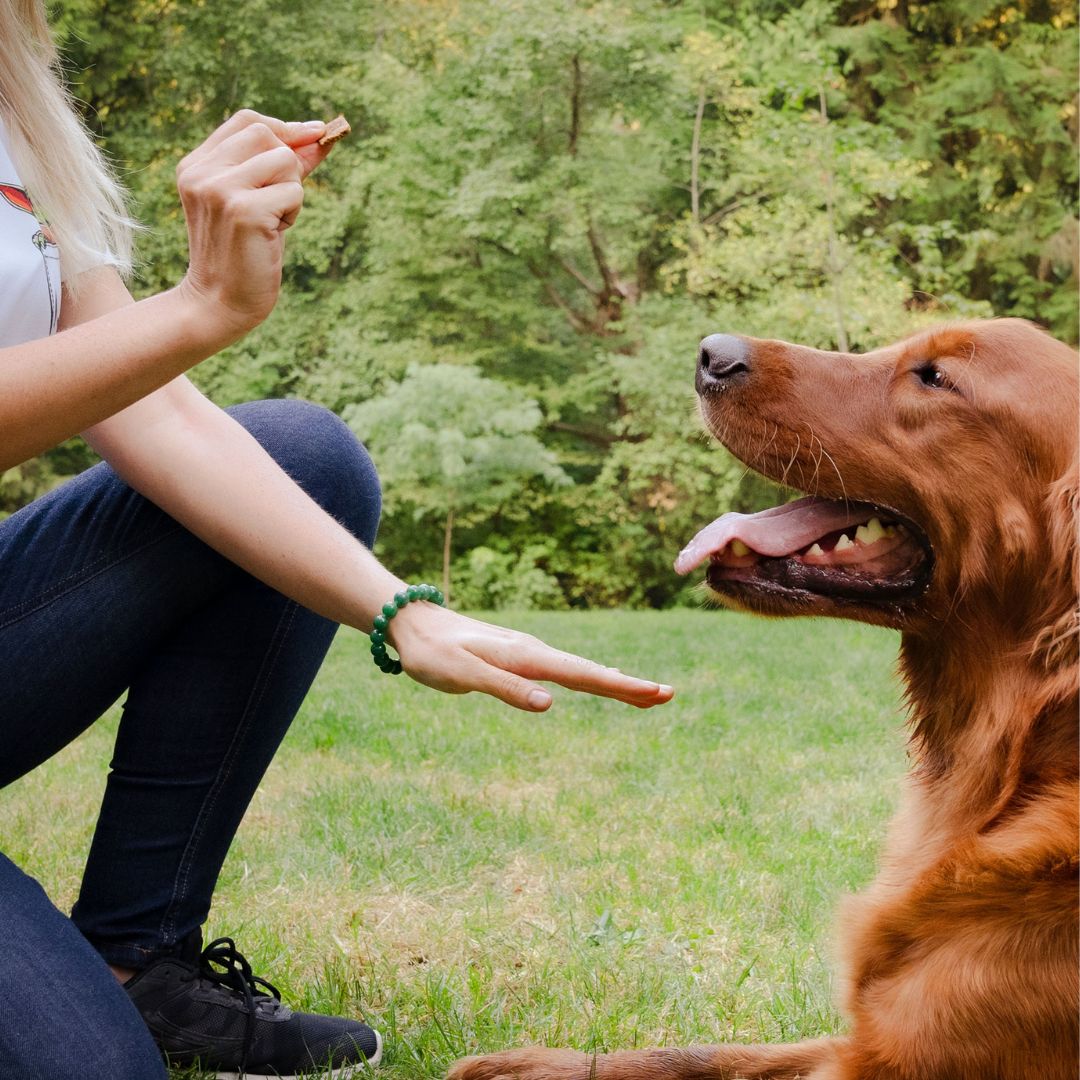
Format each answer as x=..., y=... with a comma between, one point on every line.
x=452, y=443
x=499, y=581
x=27, y=481
x=565, y=197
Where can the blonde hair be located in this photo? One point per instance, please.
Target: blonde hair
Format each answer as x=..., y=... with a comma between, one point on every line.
x=65, y=173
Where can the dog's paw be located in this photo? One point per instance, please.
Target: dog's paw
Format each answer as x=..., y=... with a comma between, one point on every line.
x=532, y=1063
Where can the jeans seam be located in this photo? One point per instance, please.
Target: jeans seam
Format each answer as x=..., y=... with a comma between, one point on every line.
x=125, y=951
x=167, y=929
x=99, y=566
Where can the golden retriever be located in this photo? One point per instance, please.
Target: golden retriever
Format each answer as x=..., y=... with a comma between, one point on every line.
x=943, y=473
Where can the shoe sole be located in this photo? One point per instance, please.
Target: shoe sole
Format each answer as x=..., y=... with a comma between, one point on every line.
x=344, y=1072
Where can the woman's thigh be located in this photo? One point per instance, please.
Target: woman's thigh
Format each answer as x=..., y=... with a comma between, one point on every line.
x=64, y=1014
x=93, y=578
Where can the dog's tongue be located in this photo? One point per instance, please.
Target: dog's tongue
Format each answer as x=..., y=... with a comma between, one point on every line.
x=782, y=530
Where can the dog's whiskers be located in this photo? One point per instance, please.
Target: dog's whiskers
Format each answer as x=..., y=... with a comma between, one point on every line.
x=791, y=461
x=840, y=479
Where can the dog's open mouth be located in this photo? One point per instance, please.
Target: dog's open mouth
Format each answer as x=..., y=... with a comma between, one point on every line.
x=814, y=548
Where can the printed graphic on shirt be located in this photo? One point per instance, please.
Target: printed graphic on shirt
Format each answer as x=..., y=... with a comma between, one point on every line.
x=43, y=240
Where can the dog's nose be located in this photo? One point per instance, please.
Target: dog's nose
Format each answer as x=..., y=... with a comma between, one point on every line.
x=720, y=358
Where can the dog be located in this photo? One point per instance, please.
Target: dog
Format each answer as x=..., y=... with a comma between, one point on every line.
x=942, y=481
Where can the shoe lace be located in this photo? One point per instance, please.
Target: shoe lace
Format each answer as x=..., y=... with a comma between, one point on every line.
x=222, y=963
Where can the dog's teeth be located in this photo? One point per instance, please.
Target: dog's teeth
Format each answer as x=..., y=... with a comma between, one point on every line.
x=844, y=543
x=739, y=548
x=871, y=532
x=814, y=549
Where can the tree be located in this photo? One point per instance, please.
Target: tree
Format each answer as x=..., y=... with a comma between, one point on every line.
x=983, y=92
x=447, y=441
x=563, y=198
x=797, y=192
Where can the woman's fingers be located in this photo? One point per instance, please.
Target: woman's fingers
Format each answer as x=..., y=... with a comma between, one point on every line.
x=273, y=166
x=293, y=133
x=237, y=122
x=532, y=659
x=243, y=145
x=280, y=201
x=456, y=654
x=511, y=688
x=234, y=143
x=311, y=155
x=470, y=672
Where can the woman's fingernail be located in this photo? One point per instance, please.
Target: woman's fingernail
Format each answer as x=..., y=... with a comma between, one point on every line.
x=313, y=125
x=665, y=689
x=539, y=699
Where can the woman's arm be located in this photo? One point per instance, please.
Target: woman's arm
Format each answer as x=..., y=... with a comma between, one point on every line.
x=54, y=387
x=113, y=371
x=241, y=189
x=204, y=469
x=201, y=467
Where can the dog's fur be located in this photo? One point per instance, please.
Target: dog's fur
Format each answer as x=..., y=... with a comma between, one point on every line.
x=962, y=958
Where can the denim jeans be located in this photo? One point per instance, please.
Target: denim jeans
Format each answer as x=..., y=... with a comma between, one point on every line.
x=102, y=592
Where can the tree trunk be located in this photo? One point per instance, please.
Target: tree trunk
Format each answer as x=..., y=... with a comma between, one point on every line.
x=448, y=535
x=834, y=269
x=575, y=106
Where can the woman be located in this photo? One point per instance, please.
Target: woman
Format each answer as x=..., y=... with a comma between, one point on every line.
x=202, y=567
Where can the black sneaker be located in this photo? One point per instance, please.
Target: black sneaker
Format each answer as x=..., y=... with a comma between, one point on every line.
x=205, y=1008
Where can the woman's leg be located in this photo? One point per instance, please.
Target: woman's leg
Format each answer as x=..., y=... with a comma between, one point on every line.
x=100, y=591
x=207, y=711
x=63, y=1013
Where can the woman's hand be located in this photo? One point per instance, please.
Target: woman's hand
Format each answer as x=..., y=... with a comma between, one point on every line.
x=456, y=654
x=241, y=189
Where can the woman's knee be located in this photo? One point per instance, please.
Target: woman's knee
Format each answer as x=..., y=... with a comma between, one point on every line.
x=320, y=452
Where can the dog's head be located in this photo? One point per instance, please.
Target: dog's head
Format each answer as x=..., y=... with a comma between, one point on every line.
x=939, y=470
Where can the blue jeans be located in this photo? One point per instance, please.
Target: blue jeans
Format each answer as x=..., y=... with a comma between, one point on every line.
x=102, y=592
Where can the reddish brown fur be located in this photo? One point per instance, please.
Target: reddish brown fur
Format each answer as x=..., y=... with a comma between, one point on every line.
x=962, y=958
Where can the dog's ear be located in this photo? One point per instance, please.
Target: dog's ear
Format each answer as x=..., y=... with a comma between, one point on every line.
x=1058, y=642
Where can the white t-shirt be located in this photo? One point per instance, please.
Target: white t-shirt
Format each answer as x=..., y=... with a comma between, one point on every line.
x=29, y=262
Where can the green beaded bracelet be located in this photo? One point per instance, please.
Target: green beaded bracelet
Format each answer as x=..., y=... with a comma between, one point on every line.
x=383, y=660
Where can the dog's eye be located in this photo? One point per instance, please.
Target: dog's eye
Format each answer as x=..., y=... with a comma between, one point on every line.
x=933, y=376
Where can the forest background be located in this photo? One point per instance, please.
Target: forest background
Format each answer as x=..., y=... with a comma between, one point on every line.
x=499, y=279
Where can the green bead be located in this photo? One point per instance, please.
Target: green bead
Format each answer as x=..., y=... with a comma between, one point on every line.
x=400, y=599
x=395, y=668
x=438, y=598
x=385, y=664
x=413, y=592
x=389, y=609
x=378, y=648
x=380, y=623
x=377, y=637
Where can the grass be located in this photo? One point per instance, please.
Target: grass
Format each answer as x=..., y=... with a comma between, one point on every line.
x=470, y=878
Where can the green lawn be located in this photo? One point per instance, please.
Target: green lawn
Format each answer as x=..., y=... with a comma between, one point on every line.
x=468, y=877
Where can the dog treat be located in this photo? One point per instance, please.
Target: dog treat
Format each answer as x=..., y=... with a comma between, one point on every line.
x=336, y=129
